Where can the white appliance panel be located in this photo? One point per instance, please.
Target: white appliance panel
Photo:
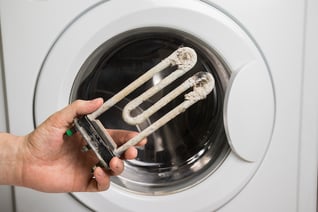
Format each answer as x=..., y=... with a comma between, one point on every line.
x=270, y=107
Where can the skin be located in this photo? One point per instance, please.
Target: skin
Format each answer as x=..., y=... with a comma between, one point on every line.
x=48, y=160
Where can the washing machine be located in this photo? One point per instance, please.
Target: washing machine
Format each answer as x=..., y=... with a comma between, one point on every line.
x=251, y=145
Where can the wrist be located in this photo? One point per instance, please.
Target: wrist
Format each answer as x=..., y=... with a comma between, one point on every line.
x=11, y=159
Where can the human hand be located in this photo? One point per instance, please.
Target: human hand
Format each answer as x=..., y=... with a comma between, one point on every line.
x=53, y=162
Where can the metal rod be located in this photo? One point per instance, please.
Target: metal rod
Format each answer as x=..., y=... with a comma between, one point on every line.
x=185, y=58
x=202, y=83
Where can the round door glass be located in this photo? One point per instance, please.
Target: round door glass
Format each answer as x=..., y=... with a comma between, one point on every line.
x=188, y=148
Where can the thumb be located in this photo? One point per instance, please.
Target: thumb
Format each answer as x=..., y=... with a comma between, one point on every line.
x=66, y=116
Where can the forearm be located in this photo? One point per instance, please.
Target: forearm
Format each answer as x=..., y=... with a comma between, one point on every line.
x=10, y=159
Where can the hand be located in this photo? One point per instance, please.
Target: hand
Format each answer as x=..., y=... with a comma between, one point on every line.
x=53, y=162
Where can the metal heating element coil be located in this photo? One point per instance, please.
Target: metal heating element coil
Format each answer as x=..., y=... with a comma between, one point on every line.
x=183, y=59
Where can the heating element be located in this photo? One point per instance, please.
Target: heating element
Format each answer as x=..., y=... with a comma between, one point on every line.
x=101, y=142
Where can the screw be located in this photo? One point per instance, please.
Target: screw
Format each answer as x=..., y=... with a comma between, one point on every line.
x=85, y=148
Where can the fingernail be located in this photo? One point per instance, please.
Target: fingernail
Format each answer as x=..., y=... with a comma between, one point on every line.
x=99, y=99
x=101, y=173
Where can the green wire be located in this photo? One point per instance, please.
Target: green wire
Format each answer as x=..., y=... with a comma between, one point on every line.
x=69, y=132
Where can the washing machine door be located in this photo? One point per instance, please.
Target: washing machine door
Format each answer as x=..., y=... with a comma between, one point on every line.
x=211, y=151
